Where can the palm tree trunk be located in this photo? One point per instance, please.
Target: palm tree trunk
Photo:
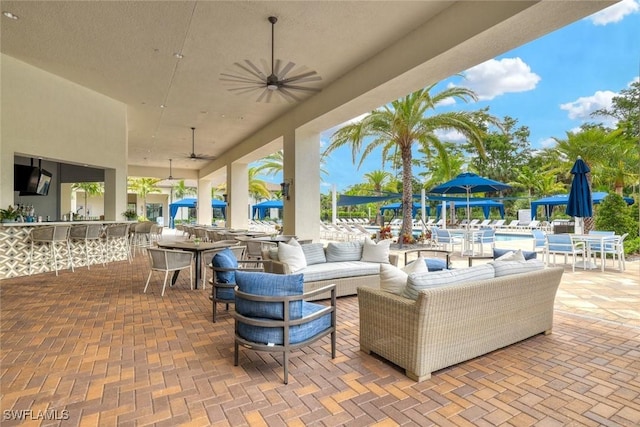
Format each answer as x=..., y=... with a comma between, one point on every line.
x=407, y=194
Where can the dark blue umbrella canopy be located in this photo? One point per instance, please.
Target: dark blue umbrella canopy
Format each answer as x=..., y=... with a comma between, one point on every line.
x=469, y=183
x=580, y=203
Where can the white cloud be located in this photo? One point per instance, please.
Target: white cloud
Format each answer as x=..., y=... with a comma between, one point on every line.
x=450, y=135
x=547, y=143
x=582, y=108
x=497, y=77
x=615, y=13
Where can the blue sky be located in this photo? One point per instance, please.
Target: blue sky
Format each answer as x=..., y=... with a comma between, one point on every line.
x=550, y=85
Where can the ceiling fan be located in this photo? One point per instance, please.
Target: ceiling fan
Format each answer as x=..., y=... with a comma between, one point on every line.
x=285, y=81
x=193, y=155
x=171, y=177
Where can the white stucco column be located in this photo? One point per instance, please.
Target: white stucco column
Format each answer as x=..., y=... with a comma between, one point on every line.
x=238, y=195
x=302, y=171
x=205, y=213
x=115, y=194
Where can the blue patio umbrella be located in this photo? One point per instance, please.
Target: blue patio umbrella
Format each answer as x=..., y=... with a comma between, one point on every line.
x=467, y=183
x=580, y=203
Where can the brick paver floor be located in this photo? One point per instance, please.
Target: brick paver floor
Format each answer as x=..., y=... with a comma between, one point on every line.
x=90, y=349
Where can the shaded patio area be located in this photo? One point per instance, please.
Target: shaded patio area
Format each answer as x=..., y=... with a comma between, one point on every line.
x=93, y=344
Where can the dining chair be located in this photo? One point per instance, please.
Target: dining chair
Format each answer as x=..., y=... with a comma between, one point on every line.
x=166, y=260
x=444, y=238
x=484, y=236
x=539, y=240
x=562, y=244
x=272, y=315
x=611, y=245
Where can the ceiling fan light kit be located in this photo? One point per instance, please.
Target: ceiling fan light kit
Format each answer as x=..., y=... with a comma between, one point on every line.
x=246, y=77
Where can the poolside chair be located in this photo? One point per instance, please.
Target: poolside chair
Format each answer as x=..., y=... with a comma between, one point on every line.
x=539, y=240
x=483, y=224
x=563, y=245
x=486, y=236
x=444, y=238
x=611, y=245
x=513, y=225
x=497, y=224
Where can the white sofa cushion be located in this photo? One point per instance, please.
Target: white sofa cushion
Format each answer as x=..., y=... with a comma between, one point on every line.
x=344, y=251
x=291, y=253
x=376, y=252
x=505, y=268
x=314, y=253
x=339, y=270
x=394, y=279
x=417, y=282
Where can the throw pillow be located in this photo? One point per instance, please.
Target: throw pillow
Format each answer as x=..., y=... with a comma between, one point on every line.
x=376, y=252
x=435, y=264
x=497, y=253
x=417, y=282
x=505, y=268
x=270, y=285
x=225, y=259
x=344, y=251
x=314, y=253
x=394, y=279
x=292, y=255
x=512, y=256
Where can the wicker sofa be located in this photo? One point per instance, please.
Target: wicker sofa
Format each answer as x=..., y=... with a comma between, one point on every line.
x=453, y=323
x=347, y=275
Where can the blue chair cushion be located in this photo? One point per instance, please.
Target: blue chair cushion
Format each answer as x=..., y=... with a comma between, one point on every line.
x=225, y=259
x=270, y=285
x=297, y=333
x=497, y=253
x=435, y=264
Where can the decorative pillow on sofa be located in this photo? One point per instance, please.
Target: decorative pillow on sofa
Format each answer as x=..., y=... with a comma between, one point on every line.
x=344, y=251
x=505, y=268
x=314, y=253
x=376, y=252
x=435, y=264
x=497, y=253
x=512, y=256
x=394, y=279
x=291, y=253
x=417, y=282
x=271, y=285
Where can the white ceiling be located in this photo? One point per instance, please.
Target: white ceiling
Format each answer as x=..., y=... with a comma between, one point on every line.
x=125, y=50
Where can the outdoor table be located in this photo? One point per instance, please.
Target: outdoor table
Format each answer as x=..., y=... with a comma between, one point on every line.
x=197, y=249
x=591, y=239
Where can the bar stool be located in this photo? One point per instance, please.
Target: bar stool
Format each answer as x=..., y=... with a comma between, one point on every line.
x=141, y=236
x=53, y=237
x=116, y=242
x=89, y=236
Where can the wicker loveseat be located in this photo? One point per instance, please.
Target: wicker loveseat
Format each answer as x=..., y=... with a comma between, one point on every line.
x=450, y=324
x=340, y=263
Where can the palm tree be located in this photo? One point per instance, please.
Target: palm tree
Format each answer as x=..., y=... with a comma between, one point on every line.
x=143, y=187
x=90, y=189
x=180, y=190
x=404, y=123
x=273, y=164
x=257, y=187
x=377, y=179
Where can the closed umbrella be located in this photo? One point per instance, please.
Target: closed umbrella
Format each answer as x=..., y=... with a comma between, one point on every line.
x=580, y=203
x=467, y=183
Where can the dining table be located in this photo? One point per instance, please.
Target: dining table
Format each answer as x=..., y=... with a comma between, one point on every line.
x=198, y=248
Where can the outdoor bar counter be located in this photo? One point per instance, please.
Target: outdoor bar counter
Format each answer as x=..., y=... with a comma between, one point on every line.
x=15, y=245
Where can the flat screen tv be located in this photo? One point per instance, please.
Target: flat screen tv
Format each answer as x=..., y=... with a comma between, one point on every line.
x=31, y=180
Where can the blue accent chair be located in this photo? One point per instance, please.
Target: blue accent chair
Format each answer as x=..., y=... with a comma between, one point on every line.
x=272, y=315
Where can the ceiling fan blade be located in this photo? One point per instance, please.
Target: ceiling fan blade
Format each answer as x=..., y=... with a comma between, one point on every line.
x=283, y=73
x=288, y=95
x=265, y=94
x=301, y=76
x=238, y=79
x=256, y=71
x=246, y=89
x=250, y=72
x=304, y=88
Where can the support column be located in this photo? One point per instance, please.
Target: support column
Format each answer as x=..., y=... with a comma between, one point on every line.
x=302, y=172
x=115, y=194
x=238, y=195
x=205, y=212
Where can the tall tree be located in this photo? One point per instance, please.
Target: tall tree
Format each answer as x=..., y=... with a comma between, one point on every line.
x=257, y=187
x=89, y=189
x=404, y=123
x=143, y=187
x=180, y=190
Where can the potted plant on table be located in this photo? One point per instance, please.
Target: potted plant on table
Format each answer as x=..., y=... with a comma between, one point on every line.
x=130, y=215
x=9, y=215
